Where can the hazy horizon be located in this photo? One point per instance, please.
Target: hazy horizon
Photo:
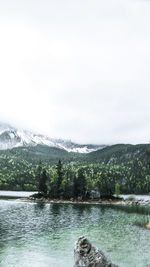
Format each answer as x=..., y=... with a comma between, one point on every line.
x=29, y=130
x=77, y=70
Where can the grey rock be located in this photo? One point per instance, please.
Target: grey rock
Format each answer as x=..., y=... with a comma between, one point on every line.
x=87, y=255
x=94, y=195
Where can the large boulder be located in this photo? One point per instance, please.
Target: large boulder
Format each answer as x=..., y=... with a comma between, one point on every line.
x=87, y=255
x=94, y=195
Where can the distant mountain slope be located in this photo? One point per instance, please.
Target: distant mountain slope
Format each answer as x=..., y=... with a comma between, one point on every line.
x=120, y=153
x=34, y=154
x=11, y=137
x=115, y=154
x=130, y=164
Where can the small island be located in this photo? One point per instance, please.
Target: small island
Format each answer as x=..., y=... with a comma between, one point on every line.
x=69, y=185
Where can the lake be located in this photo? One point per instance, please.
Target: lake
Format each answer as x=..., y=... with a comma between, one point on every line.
x=43, y=235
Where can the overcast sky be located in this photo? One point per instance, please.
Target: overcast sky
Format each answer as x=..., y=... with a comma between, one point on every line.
x=77, y=69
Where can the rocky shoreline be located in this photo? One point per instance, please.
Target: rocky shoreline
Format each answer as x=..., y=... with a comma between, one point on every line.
x=139, y=202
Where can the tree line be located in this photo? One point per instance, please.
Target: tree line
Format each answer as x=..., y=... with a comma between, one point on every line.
x=73, y=181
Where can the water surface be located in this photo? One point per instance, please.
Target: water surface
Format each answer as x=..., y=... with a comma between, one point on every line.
x=43, y=235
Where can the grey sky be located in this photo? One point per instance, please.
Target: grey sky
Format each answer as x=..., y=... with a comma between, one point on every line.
x=77, y=69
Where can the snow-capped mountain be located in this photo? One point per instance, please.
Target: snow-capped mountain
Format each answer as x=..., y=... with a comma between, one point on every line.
x=11, y=137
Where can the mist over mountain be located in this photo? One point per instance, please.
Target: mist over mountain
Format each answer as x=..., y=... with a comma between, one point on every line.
x=11, y=137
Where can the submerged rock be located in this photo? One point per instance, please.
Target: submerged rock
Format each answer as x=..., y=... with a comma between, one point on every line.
x=87, y=255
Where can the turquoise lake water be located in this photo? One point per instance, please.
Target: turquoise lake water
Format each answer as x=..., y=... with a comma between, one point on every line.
x=43, y=235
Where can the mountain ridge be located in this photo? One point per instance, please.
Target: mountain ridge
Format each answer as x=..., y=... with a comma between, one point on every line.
x=11, y=137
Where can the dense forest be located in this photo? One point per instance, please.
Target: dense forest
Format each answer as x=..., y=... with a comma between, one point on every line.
x=66, y=175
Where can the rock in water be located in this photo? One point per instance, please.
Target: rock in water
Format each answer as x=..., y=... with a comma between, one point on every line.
x=86, y=255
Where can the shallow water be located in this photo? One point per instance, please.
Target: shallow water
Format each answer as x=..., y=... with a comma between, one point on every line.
x=43, y=235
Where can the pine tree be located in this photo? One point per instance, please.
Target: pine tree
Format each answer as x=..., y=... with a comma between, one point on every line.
x=117, y=190
x=59, y=177
x=39, y=174
x=42, y=178
x=42, y=182
x=79, y=186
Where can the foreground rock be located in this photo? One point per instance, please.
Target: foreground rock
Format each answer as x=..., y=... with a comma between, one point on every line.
x=86, y=255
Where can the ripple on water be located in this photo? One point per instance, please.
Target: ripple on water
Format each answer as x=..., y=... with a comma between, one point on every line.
x=38, y=234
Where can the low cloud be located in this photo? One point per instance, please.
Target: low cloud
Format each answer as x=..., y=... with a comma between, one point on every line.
x=77, y=70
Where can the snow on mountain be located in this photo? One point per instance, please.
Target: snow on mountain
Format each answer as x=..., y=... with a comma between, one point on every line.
x=11, y=137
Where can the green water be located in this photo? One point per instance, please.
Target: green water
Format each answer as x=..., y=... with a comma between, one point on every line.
x=43, y=235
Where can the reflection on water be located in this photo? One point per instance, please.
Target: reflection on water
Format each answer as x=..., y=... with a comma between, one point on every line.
x=43, y=235
x=133, y=209
x=15, y=194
